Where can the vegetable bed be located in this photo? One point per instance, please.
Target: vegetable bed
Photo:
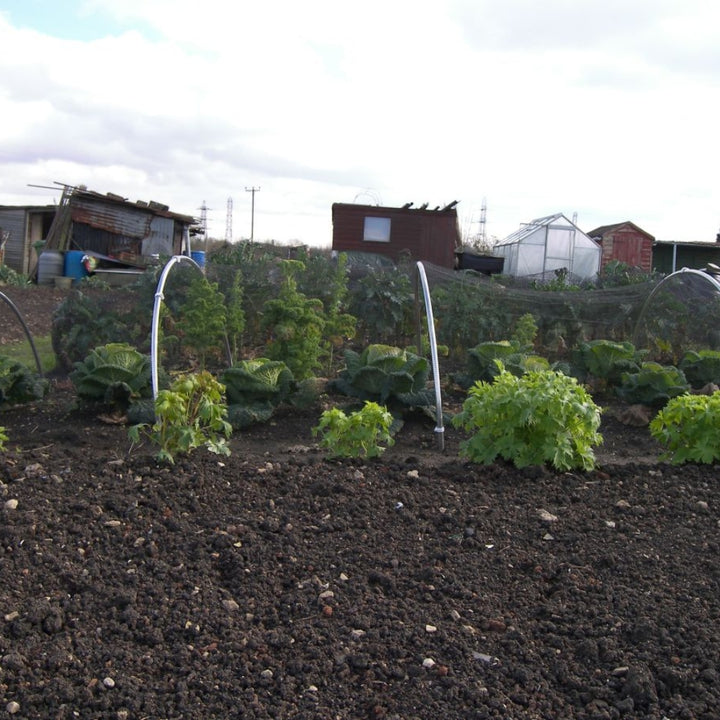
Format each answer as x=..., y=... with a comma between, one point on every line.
x=275, y=583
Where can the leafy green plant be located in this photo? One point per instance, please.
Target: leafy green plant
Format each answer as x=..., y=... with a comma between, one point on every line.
x=256, y=269
x=382, y=373
x=3, y=438
x=338, y=328
x=234, y=315
x=19, y=384
x=688, y=427
x=453, y=304
x=701, y=367
x=559, y=282
x=524, y=333
x=539, y=417
x=296, y=324
x=79, y=324
x=652, y=384
x=442, y=350
x=116, y=374
x=254, y=388
x=617, y=273
x=8, y=276
x=188, y=415
x=358, y=434
x=383, y=303
x=482, y=362
x=203, y=317
x=607, y=359
x=326, y=279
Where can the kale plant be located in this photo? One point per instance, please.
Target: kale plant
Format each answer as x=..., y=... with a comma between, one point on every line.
x=295, y=324
x=202, y=322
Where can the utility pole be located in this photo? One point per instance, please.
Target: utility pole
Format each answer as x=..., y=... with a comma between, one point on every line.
x=203, y=224
x=228, y=221
x=483, y=225
x=252, y=190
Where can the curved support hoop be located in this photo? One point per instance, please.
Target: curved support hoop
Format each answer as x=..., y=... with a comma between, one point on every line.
x=439, y=429
x=682, y=271
x=156, y=315
x=25, y=328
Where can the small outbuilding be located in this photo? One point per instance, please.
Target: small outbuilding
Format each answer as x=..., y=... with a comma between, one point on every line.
x=416, y=233
x=672, y=255
x=23, y=230
x=544, y=246
x=107, y=225
x=625, y=242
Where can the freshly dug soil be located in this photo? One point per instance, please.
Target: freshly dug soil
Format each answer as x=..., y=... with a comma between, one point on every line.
x=276, y=583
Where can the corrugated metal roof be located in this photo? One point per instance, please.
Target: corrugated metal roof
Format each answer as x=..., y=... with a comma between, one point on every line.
x=114, y=200
x=116, y=219
x=116, y=215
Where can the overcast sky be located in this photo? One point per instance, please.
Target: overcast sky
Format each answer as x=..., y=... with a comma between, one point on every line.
x=604, y=108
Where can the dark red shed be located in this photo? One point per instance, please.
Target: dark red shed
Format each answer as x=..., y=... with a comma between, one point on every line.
x=625, y=242
x=430, y=235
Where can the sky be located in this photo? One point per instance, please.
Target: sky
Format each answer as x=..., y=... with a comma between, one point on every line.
x=603, y=110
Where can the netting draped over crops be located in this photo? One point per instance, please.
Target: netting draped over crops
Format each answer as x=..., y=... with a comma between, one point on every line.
x=666, y=316
x=682, y=313
x=470, y=308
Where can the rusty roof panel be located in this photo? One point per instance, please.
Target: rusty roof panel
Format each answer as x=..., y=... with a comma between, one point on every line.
x=117, y=219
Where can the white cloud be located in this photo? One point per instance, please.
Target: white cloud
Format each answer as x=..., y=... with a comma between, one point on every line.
x=604, y=108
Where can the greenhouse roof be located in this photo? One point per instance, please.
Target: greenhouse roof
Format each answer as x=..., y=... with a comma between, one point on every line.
x=527, y=229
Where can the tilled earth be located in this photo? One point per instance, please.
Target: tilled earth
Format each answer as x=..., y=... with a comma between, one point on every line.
x=275, y=583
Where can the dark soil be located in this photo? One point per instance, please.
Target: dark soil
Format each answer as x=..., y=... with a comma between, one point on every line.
x=277, y=584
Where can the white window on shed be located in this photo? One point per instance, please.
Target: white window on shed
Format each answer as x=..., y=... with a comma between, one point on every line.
x=376, y=229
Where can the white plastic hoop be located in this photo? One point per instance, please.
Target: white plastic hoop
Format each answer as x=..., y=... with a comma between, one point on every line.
x=439, y=429
x=156, y=315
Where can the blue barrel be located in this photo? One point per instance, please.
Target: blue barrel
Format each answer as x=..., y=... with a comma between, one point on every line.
x=199, y=257
x=74, y=266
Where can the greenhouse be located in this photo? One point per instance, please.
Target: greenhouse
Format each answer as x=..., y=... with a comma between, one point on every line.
x=544, y=246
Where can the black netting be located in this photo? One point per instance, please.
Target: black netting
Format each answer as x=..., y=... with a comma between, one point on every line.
x=470, y=308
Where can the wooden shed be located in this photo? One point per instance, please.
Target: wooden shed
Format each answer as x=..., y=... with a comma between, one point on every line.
x=105, y=224
x=417, y=233
x=23, y=230
x=625, y=242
